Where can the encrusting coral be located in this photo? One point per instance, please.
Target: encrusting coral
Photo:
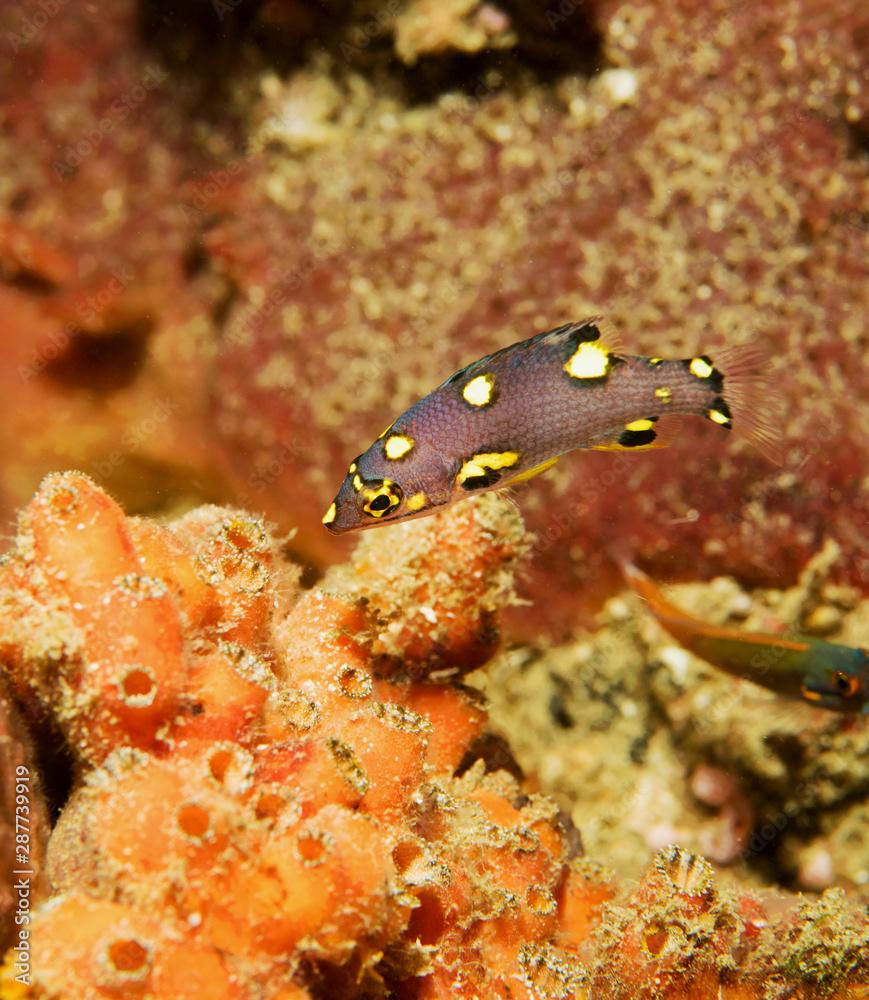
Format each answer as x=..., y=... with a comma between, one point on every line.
x=280, y=793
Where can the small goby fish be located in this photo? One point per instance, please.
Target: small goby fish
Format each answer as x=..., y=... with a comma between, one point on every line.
x=824, y=674
x=510, y=415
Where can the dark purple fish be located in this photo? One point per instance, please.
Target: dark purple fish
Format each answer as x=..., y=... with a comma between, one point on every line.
x=510, y=415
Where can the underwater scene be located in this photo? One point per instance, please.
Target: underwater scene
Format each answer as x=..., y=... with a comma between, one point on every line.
x=434, y=500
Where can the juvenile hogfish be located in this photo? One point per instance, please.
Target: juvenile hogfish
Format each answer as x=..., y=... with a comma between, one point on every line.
x=510, y=415
x=825, y=674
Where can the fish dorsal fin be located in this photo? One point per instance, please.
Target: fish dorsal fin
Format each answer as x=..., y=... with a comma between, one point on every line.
x=594, y=329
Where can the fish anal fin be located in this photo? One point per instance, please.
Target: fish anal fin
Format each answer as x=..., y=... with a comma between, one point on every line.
x=638, y=435
x=615, y=446
x=531, y=473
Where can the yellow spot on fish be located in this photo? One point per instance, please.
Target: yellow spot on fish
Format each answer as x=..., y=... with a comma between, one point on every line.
x=640, y=425
x=809, y=694
x=384, y=433
x=416, y=502
x=590, y=360
x=654, y=362
x=397, y=446
x=357, y=482
x=352, y=468
x=485, y=462
x=330, y=514
x=497, y=459
x=480, y=390
x=700, y=367
x=665, y=394
x=717, y=417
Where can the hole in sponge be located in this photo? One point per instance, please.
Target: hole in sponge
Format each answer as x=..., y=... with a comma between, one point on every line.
x=540, y=900
x=129, y=958
x=313, y=847
x=405, y=854
x=275, y=802
x=655, y=939
x=295, y=710
x=244, y=534
x=62, y=499
x=354, y=683
x=138, y=687
x=219, y=763
x=194, y=821
x=268, y=805
x=102, y=364
x=231, y=767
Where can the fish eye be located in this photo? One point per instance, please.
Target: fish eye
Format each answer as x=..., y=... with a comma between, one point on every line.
x=382, y=499
x=845, y=684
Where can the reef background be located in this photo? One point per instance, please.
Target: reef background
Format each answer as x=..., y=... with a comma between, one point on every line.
x=238, y=237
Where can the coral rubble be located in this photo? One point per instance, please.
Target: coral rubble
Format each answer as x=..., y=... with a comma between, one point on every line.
x=283, y=794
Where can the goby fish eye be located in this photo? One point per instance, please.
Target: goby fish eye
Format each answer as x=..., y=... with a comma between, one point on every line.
x=845, y=684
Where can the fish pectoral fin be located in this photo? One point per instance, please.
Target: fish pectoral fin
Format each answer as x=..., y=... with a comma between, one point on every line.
x=531, y=473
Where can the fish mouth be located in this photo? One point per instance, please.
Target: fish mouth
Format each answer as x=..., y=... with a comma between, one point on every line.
x=337, y=528
x=349, y=528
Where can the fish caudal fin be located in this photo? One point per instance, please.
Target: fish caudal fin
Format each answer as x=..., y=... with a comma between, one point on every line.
x=747, y=401
x=642, y=585
x=677, y=622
